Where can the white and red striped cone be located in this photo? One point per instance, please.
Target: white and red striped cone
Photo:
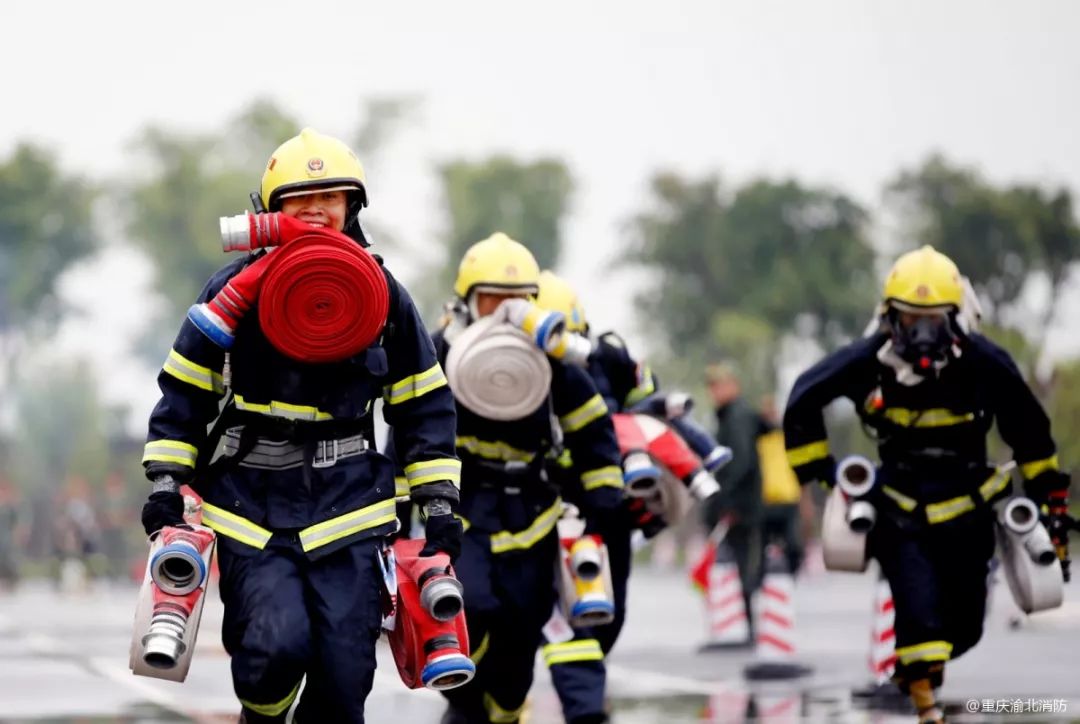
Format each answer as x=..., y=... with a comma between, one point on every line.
x=727, y=705
x=882, y=658
x=726, y=617
x=882, y=634
x=774, y=650
x=780, y=707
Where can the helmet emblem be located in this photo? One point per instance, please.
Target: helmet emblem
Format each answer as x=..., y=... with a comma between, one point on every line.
x=511, y=271
x=315, y=167
x=922, y=291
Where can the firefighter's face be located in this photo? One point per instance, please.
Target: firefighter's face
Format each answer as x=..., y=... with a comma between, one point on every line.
x=321, y=208
x=487, y=302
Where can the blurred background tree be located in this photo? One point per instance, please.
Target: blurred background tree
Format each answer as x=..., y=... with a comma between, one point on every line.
x=46, y=225
x=739, y=271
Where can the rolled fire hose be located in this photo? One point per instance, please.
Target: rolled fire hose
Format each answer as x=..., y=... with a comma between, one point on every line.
x=497, y=372
x=322, y=298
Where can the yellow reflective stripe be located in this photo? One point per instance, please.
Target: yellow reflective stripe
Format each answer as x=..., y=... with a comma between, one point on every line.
x=1030, y=470
x=995, y=484
x=646, y=387
x=808, y=453
x=235, y=527
x=287, y=410
x=348, y=524
x=949, y=509
x=571, y=651
x=493, y=450
x=275, y=708
x=610, y=475
x=906, y=504
x=934, y=417
x=401, y=487
x=185, y=370
x=465, y=524
x=504, y=540
x=593, y=408
x=430, y=471
x=929, y=651
x=565, y=460
x=170, y=451
x=481, y=649
x=414, y=385
x=497, y=715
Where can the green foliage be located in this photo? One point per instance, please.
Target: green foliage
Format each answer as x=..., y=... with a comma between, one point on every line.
x=1064, y=411
x=45, y=226
x=61, y=428
x=998, y=236
x=776, y=253
x=525, y=200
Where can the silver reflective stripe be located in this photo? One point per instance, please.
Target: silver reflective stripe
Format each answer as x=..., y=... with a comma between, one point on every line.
x=185, y=370
x=349, y=524
x=285, y=455
x=235, y=527
x=430, y=471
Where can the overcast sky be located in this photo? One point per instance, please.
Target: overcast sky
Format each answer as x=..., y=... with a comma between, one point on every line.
x=841, y=92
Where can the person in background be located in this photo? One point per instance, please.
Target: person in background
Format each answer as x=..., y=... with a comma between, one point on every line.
x=739, y=502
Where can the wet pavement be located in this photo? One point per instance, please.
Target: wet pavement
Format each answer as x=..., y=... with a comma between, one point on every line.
x=63, y=658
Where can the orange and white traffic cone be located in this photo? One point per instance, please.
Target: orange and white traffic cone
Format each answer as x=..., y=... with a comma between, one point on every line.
x=774, y=650
x=727, y=705
x=778, y=707
x=726, y=618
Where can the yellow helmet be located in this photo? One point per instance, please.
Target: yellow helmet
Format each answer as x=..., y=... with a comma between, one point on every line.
x=499, y=263
x=924, y=279
x=556, y=295
x=311, y=161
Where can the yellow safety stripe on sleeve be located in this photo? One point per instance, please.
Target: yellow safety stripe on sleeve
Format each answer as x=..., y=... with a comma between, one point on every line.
x=493, y=450
x=906, y=504
x=935, y=417
x=286, y=410
x=928, y=651
x=430, y=471
x=504, y=540
x=187, y=371
x=414, y=386
x=593, y=408
x=479, y=651
x=646, y=387
x=995, y=484
x=342, y=526
x=1030, y=470
x=235, y=527
x=610, y=475
x=571, y=651
x=170, y=451
x=949, y=509
x=497, y=715
x=401, y=487
x=465, y=524
x=808, y=453
x=273, y=709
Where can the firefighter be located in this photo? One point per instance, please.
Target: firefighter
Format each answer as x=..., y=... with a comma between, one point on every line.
x=509, y=505
x=627, y=385
x=301, y=501
x=929, y=388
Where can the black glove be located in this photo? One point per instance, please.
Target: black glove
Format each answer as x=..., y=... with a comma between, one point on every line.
x=443, y=534
x=163, y=508
x=648, y=522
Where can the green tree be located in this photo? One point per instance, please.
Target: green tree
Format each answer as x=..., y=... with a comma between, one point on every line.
x=736, y=272
x=526, y=200
x=46, y=225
